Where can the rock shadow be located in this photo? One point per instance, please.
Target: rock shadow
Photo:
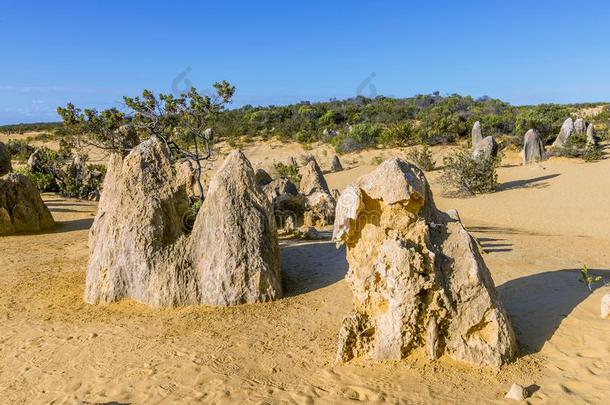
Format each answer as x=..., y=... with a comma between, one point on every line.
x=73, y=225
x=538, y=303
x=308, y=266
x=536, y=182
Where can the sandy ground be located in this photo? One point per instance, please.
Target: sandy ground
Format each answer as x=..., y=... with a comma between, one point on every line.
x=537, y=231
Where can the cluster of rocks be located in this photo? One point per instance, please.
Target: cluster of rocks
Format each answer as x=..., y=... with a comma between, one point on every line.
x=569, y=128
x=417, y=277
x=312, y=204
x=484, y=148
x=21, y=207
x=139, y=248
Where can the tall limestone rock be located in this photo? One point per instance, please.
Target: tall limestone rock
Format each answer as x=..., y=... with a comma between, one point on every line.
x=234, y=245
x=418, y=280
x=477, y=134
x=580, y=126
x=486, y=148
x=137, y=241
x=566, y=131
x=591, y=135
x=533, y=148
x=320, y=204
x=21, y=208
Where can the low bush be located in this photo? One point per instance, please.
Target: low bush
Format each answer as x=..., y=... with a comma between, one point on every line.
x=290, y=171
x=464, y=174
x=19, y=150
x=422, y=158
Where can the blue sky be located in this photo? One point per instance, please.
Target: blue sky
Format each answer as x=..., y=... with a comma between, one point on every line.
x=276, y=52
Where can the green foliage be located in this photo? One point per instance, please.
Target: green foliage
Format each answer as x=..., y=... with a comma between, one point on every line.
x=19, y=150
x=290, y=171
x=358, y=137
x=545, y=118
x=422, y=158
x=465, y=174
x=588, y=279
x=33, y=127
x=400, y=134
x=44, y=182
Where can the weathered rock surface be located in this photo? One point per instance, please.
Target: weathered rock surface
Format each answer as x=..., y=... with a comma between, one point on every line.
x=486, y=148
x=137, y=240
x=262, y=177
x=141, y=250
x=319, y=203
x=476, y=134
x=605, y=306
x=234, y=242
x=5, y=160
x=312, y=179
x=417, y=278
x=591, y=135
x=566, y=131
x=21, y=208
x=580, y=126
x=516, y=392
x=533, y=148
x=335, y=165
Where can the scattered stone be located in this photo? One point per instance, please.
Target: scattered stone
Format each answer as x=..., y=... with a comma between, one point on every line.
x=308, y=233
x=329, y=133
x=262, y=177
x=416, y=275
x=21, y=207
x=533, y=148
x=140, y=248
x=516, y=392
x=319, y=203
x=486, y=148
x=591, y=135
x=580, y=126
x=336, y=165
x=605, y=306
x=5, y=160
x=566, y=131
x=235, y=249
x=477, y=134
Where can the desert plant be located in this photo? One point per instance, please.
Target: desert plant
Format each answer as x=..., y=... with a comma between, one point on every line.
x=422, y=158
x=466, y=174
x=587, y=278
x=290, y=171
x=19, y=150
x=43, y=182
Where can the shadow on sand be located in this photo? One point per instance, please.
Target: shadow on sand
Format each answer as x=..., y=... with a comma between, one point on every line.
x=538, y=303
x=309, y=266
x=73, y=225
x=536, y=182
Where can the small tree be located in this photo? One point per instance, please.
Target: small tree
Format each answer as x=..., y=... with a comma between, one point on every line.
x=182, y=123
x=469, y=175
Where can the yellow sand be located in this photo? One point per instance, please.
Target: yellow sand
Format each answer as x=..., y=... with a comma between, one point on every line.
x=545, y=223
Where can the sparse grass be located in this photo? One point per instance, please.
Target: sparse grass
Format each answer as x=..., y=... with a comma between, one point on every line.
x=290, y=171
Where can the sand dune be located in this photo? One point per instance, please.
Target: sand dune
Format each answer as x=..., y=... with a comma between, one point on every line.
x=544, y=224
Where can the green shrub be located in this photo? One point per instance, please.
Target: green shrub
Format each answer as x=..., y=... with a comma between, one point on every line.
x=43, y=182
x=465, y=174
x=422, y=158
x=290, y=171
x=399, y=134
x=360, y=136
x=19, y=150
